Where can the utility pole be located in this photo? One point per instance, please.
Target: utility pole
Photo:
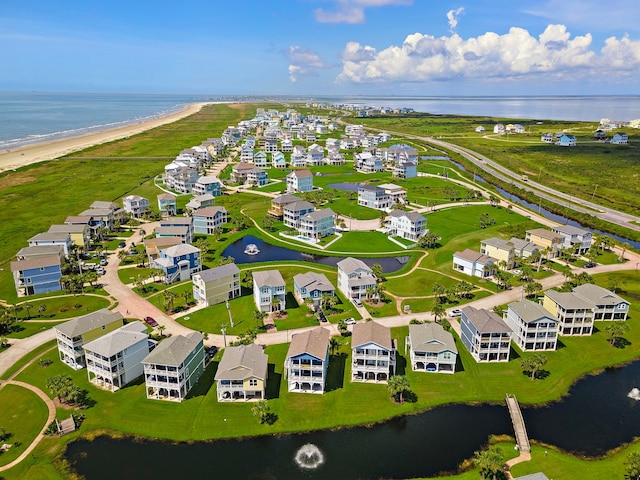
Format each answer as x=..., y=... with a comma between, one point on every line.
x=594, y=192
x=224, y=334
x=229, y=310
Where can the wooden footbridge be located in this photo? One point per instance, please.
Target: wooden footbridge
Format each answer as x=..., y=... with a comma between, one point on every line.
x=522, y=439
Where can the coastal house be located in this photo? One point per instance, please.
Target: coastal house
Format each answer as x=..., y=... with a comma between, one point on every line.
x=200, y=201
x=547, y=240
x=246, y=153
x=114, y=359
x=39, y=274
x=547, y=137
x=99, y=218
x=374, y=197
x=135, y=205
x=619, y=138
x=286, y=145
x=367, y=162
x=499, y=128
x=407, y=225
x=315, y=155
x=181, y=179
x=72, y=335
x=355, y=278
x=607, y=305
x=317, y=224
x=278, y=160
x=575, y=314
x=184, y=228
x=260, y=159
x=293, y=212
x=307, y=361
x=501, y=250
x=242, y=374
x=216, y=285
x=269, y=291
x=312, y=285
x=576, y=238
x=178, y=263
x=533, y=327
x=240, y=172
x=474, y=263
x=167, y=204
x=27, y=253
x=299, y=181
x=405, y=170
x=485, y=335
x=207, y=184
x=80, y=234
x=174, y=367
x=206, y=220
x=479, y=129
x=567, y=140
x=183, y=233
x=257, y=177
x=52, y=238
x=431, y=348
x=154, y=245
x=278, y=203
x=397, y=194
x=335, y=158
x=523, y=248
x=373, y=353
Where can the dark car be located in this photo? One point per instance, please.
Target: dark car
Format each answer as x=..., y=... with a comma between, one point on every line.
x=122, y=245
x=322, y=316
x=590, y=264
x=150, y=321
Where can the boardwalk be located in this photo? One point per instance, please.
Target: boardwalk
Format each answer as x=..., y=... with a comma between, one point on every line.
x=518, y=424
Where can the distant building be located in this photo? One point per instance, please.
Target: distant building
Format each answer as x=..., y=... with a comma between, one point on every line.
x=574, y=237
x=574, y=313
x=167, y=204
x=207, y=220
x=407, y=225
x=269, y=290
x=318, y=224
x=299, y=181
x=41, y=274
x=374, y=197
x=135, y=205
x=216, y=285
x=474, y=263
x=546, y=239
x=312, y=285
x=179, y=262
x=355, y=278
x=607, y=305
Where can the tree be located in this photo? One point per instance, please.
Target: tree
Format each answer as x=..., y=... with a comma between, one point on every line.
x=334, y=345
x=64, y=389
x=342, y=326
x=376, y=269
x=438, y=311
x=308, y=301
x=531, y=365
x=41, y=309
x=261, y=410
x=429, y=240
x=161, y=329
x=532, y=288
x=624, y=247
x=141, y=259
x=202, y=244
x=526, y=272
x=465, y=289
x=122, y=254
x=258, y=316
x=616, y=331
x=186, y=296
x=565, y=270
x=267, y=223
x=493, y=200
x=439, y=291
x=489, y=461
x=217, y=233
x=632, y=466
x=168, y=299
x=397, y=386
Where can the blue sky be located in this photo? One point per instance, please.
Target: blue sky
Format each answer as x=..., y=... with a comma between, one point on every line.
x=316, y=47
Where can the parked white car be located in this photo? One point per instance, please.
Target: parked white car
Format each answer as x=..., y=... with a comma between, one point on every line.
x=456, y=312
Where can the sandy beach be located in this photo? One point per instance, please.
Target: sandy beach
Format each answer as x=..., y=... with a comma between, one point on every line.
x=39, y=152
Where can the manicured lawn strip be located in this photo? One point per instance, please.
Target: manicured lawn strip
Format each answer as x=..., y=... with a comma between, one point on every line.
x=62, y=307
x=420, y=282
x=26, y=329
x=366, y=242
x=35, y=353
x=178, y=289
x=129, y=275
x=350, y=208
x=426, y=304
x=22, y=416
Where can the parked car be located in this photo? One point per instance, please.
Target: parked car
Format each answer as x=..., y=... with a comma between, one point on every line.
x=103, y=262
x=456, y=312
x=150, y=321
x=590, y=264
x=322, y=316
x=357, y=302
x=350, y=321
x=100, y=271
x=122, y=245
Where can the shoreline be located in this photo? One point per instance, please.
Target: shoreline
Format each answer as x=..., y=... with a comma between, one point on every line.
x=49, y=150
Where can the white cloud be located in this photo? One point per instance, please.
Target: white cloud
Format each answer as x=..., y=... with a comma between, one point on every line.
x=515, y=54
x=352, y=11
x=452, y=17
x=302, y=62
x=592, y=15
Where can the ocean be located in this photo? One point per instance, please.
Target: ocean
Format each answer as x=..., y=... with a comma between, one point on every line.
x=30, y=117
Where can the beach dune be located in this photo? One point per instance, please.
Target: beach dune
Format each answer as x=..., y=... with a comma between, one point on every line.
x=40, y=152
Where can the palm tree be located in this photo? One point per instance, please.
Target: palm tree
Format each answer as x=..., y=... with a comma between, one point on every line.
x=122, y=254
x=532, y=288
x=261, y=410
x=489, y=461
x=168, y=298
x=439, y=291
x=275, y=304
x=376, y=269
x=161, y=329
x=258, y=316
x=334, y=345
x=27, y=307
x=438, y=311
x=41, y=309
x=616, y=330
x=397, y=386
x=566, y=272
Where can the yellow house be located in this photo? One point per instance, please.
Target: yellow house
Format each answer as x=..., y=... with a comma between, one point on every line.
x=499, y=249
x=278, y=204
x=546, y=239
x=216, y=285
x=71, y=336
x=574, y=313
x=242, y=374
x=80, y=234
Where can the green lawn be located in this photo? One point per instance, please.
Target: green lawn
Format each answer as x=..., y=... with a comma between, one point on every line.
x=129, y=275
x=64, y=306
x=26, y=329
x=365, y=242
x=22, y=416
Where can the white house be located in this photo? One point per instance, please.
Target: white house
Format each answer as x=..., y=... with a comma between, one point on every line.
x=607, y=305
x=269, y=290
x=373, y=353
x=355, y=278
x=312, y=285
x=485, y=334
x=533, y=327
x=474, y=263
x=135, y=205
x=574, y=237
x=299, y=181
x=114, y=360
x=431, y=348
x=407, y=225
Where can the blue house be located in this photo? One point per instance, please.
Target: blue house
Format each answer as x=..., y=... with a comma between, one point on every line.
x=318, y=224
x=307, y=361
x=567, y=141
x=207, y=184
x=178, y=262
x=405, y=170
x=167, y=204
x=37, y=275
x=312, y=285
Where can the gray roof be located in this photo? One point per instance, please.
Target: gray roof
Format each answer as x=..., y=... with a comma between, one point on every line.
x=473, y=256
x=485, y=321
x=313, y=281
x=569, y=300
x=371, y=188
x=499, y=243
x=525, y=245
x=174, y=231
x=206, y=179
x=209, y=211
x=285, y=199
x=413, y=216
x=241, y=362
x=218, y=272
x=96, y=212
x=180, y=249
x=118, y=340
x=598, y=295
x=172, y=221
x=315, y=342
x=40, y=250
x=174, y=350
x=35, y=262
x=298, y=206
x=78, y=219
x=531, y=312
x=74, y=228
x=86, y=323
x=544, y=233
x=570, y=230
x=269, y=278
x=431, y=337
x=50, y=237
x=533, y=476
x=102, y=205
x=319, y=214
x=350, y=265
x=371, y=332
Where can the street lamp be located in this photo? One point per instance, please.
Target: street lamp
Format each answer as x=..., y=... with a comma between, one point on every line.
x=229, y=310
x=594, y=192
x=224, y=335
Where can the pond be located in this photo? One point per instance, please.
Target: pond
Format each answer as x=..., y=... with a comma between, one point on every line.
x=345, y=186
x=270, y=253
x=596, y=417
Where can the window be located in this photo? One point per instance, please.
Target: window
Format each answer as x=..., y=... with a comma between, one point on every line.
x=253, y=382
